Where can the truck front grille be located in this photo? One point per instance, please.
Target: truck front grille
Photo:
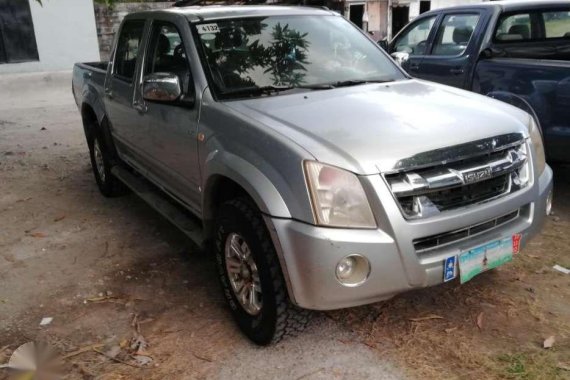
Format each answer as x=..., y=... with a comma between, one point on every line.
x=429, y=243
x=485, y=175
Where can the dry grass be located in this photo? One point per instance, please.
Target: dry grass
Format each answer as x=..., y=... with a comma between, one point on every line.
x=492, y=327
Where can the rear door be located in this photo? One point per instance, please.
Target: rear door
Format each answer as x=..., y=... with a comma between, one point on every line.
x=410, y=46
x=453, y=52
x=128, y=127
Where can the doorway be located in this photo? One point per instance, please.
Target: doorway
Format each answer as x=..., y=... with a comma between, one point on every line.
x=400, y=17
x=355, y=14
x=17, y=37
x=425, y=6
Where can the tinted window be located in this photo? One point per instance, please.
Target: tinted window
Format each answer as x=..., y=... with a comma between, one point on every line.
x=534, y=26
x=516, y=27
x=166, y=53
x=454, y=34
x=557, y=24
x=414, y=41
x=289, y=51
x=128, y=49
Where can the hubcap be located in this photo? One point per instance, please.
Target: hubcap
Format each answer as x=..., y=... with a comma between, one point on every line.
x=243, y=274
x=99, y=163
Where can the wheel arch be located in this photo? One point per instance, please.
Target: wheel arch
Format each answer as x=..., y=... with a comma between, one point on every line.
x=228, y=176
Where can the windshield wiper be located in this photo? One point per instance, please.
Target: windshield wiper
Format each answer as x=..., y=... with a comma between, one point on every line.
x=356, y=82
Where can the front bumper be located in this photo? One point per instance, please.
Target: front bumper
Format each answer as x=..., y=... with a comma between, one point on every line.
x=309, y=254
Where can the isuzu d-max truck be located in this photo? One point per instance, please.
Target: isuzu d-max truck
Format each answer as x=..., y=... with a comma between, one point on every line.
x=317, y=171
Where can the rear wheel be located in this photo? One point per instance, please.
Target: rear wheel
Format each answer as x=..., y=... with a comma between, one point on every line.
x=251, y=276
x=101, y=164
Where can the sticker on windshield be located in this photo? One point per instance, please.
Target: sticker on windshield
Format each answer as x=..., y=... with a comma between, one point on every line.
x=207, y=28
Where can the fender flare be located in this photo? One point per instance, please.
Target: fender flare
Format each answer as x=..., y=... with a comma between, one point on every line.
x=249, y=177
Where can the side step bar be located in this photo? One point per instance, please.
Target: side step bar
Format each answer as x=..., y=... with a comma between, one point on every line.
x=187, y=224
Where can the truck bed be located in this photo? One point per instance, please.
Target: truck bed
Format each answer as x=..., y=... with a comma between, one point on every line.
x=89, y=77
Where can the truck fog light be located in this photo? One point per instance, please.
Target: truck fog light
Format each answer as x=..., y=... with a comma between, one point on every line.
x=352, y=270
x=549, y=203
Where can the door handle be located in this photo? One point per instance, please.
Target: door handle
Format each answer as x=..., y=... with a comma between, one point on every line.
x=457, y=71
x=140, y=106
x=109, y=93
x=414, y=66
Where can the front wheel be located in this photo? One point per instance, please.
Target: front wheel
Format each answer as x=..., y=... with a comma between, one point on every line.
x=251, y=276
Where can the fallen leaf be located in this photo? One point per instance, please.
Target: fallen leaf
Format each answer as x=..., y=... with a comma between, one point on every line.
x=99, y=299
x=549, y=342
x=480, y=320
x=38, y=234
x=426, y=318
x=113, y=351
x=564, y=366
x=58, y=218
x=142, y=359
x=81, y=350
x=450, y=330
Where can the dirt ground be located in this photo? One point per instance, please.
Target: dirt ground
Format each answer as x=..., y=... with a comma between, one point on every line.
x=117, y=278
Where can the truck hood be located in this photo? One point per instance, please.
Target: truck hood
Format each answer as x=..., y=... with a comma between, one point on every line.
x=369, y=128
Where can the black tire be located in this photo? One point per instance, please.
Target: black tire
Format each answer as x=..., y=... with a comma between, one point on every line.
x=108, y=184
x=278, y=317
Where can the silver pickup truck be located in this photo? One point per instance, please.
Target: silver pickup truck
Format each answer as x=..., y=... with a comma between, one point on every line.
x=319, y=173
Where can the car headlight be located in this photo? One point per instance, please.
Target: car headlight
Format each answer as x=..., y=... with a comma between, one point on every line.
x=337, y=197
x=536, y=140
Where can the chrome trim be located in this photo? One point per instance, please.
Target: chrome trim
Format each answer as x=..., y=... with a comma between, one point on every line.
x=458, y=152
x=497, y=222
x=440, y=178
x=501, y=167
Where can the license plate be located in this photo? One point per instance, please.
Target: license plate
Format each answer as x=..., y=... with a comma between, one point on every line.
x=485, y=257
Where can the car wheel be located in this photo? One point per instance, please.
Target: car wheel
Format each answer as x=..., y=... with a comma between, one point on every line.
x=101, y=165
x=251, y=276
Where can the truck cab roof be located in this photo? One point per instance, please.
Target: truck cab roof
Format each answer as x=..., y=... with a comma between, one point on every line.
x=217, y=12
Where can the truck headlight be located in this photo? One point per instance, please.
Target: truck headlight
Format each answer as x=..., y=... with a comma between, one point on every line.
x=337, y=197
x=536, y=140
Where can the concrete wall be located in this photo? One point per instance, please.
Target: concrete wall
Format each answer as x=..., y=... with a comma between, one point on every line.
x=65, y=34
x=108, y=21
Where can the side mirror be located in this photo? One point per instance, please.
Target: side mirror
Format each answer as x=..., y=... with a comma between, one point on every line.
x=383, y=44
x=161, y=87
x=400, y=57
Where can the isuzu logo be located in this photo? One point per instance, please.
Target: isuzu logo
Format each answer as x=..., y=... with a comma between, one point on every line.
x=477, y=175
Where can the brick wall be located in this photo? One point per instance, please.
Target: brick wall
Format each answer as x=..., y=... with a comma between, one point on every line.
x=108, y=21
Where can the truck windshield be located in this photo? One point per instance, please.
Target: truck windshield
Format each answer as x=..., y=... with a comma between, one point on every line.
x=270, y=55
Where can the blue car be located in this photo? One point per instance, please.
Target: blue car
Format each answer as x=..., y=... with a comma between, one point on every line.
x=515, y=51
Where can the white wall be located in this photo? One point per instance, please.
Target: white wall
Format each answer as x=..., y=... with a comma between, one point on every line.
x=65, y=33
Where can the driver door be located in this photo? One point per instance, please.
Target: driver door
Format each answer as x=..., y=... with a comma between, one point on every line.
x=411, y=45
x=172, y=126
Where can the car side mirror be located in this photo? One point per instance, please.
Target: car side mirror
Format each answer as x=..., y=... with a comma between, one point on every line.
x=161, y=87
x=383, y=44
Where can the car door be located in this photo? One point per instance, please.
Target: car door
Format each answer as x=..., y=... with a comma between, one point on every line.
x=410, y=46
x=127, y=125
x=172, y=126
x=454, y=49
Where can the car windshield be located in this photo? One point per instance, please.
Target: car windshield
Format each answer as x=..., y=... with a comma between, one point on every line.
x=270, y=55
